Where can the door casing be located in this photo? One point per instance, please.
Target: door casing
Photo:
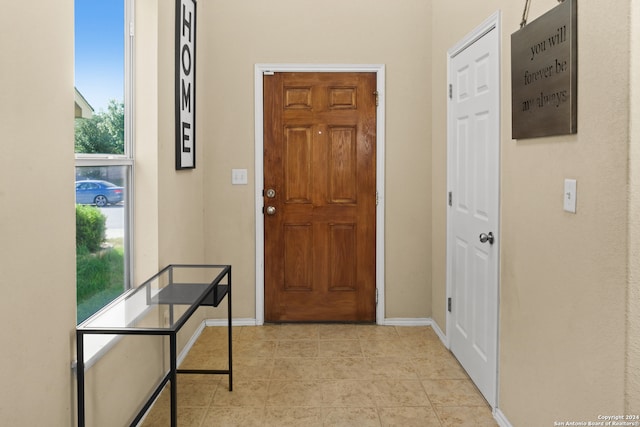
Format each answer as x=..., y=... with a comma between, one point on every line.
x=491, y=23
x=259, y=71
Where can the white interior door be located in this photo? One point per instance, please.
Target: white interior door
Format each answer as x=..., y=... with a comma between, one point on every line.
x=473, y=238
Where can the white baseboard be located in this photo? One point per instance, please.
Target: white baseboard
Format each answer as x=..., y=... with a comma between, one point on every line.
x=393, y=321
x=190, y=343
x=501, y=418
x=234, y=322
x=406, y=321
x=440, y=334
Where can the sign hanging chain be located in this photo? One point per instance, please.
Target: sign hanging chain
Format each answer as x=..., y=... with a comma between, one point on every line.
x=525, y=12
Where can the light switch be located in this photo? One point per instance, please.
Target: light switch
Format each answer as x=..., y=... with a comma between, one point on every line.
x=570, y=190
x=238, y=176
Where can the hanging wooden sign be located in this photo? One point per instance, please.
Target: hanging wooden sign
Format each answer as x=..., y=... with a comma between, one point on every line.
x=544, y=71
x=185, y=99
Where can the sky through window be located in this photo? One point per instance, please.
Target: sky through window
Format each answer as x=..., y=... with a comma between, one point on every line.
x=99, y=51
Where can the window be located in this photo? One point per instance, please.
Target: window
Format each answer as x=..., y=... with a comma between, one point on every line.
x=103, y=146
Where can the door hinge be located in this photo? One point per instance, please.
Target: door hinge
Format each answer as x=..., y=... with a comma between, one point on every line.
x=450, y=198
x=376, y=94
x=377, y=199
x=450, y=91
x=376, y=296
x=449, y=305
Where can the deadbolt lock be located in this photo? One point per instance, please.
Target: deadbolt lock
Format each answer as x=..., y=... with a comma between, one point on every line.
x=270, y=193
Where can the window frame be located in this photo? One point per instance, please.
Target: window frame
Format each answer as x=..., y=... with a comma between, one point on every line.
x=127, y=159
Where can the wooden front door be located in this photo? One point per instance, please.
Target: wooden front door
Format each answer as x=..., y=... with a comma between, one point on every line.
x=320, y=196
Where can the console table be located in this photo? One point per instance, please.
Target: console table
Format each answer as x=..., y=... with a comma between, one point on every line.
x=160, y=306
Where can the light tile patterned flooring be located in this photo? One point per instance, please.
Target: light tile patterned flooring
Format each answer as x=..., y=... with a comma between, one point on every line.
x=325, y=375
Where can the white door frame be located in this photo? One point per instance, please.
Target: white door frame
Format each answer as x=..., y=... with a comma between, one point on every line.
x=259, y=71
x=491, y=23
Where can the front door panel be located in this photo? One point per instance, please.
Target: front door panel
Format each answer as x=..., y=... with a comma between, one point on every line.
x=319, y=160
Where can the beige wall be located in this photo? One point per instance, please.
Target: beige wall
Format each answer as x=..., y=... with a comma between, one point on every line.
x=633, y=296
x=180, y=194
x=236, y=36
x=118, y=384
x=146, y=221
x=169, y=203
x=563, y=276
x=37, y=243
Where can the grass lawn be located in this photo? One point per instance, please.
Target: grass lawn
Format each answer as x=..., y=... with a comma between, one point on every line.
x=100, y=278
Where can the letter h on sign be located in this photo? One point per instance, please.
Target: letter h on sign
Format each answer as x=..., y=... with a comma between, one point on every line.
x=185, y=87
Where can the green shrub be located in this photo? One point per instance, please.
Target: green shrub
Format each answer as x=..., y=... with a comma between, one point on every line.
x=90, y=227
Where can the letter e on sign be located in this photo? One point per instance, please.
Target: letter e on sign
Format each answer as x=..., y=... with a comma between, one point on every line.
x=185, y=87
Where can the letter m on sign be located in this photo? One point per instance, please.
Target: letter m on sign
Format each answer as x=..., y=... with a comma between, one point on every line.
x=185, y=84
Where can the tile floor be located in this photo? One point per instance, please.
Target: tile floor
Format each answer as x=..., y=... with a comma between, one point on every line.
x=325, y=375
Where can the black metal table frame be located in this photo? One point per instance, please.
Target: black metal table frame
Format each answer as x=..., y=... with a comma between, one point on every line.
x=213, y=291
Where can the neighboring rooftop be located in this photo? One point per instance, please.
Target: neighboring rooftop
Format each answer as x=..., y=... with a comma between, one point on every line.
x=83, y=108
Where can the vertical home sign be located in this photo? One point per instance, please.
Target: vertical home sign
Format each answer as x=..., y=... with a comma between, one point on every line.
x=544, y=69
x=185, y=98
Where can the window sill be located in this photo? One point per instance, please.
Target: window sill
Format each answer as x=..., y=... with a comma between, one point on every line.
x=96, y=346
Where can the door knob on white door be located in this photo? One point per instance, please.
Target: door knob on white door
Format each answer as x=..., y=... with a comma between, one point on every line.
x=484, y=238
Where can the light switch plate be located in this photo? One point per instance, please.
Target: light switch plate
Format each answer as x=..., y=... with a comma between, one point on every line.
x=570, y=195
x=238, y=176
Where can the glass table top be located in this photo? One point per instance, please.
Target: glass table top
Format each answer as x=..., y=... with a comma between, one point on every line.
x=164, y=302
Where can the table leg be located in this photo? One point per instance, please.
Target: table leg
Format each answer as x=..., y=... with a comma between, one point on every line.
x=80, y=377
x=230, y=326
x=173, y=379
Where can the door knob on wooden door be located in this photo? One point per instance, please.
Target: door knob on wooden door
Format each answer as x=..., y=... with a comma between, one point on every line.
x=271, y=210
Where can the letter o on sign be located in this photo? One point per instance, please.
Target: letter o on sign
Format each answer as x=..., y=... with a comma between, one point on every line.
x=186, y=60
